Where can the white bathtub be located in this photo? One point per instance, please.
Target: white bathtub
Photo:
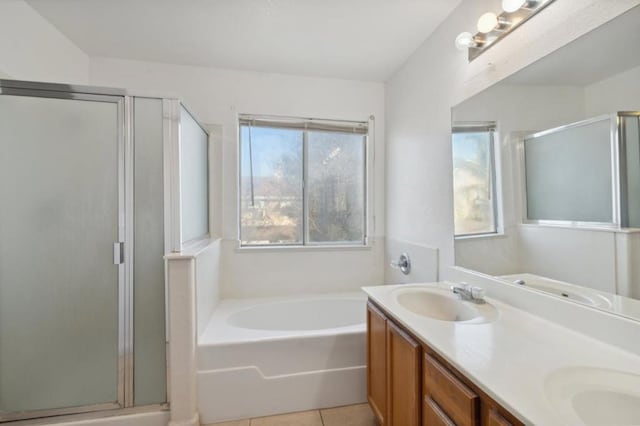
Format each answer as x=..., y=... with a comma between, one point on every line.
x=266, y=356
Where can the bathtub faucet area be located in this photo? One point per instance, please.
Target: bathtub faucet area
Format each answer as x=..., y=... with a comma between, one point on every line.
x=403, y=264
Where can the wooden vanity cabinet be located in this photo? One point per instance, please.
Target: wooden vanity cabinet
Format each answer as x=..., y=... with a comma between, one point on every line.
x=408, y=384
x=403, y=384
x=377, y=362
x=393, y=371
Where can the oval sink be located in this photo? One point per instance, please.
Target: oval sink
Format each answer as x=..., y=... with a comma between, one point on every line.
x=560, y=288
x=595, y=396
x=443, y=305
x=582, y=297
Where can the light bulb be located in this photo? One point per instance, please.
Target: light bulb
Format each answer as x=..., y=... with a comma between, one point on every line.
x=464, y=41
x=511, y=6
x=487, y=22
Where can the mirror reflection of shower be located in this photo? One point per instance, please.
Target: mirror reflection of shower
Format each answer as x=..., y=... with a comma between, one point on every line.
x=584, y=173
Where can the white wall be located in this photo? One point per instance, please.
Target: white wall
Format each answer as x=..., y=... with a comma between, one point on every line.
x=577, y=256
x=436, y=77
x=218, y=96
x=33, y=49
x=620, y=92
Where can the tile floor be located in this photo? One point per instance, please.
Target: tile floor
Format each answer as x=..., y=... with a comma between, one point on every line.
x=351, y=415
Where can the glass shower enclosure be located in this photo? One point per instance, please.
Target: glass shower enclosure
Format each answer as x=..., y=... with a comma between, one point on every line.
x=585, y=173
x=90, y=199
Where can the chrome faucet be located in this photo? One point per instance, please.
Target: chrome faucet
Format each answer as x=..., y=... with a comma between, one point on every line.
x=469, y=292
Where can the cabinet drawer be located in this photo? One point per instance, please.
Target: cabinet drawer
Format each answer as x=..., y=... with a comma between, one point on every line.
x=459, y=403
x=432, y=415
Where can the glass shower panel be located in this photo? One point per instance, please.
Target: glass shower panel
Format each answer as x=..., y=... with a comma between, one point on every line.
x=148, y=277
x=194, y=178
x=568, y=173
x=59, y=312
x=631, y=129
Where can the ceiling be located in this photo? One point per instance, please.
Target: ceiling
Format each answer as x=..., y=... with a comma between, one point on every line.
x=605, y=51
x=350, y=39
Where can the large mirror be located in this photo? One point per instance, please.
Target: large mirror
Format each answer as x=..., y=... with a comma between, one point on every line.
x=547, y=173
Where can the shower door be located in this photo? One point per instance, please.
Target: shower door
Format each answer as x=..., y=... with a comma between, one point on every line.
x=63, y=346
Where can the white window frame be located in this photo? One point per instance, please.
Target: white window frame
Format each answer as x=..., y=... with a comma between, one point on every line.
x=310, y=124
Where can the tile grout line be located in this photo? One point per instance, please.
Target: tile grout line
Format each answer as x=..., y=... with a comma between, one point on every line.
x=319, y=411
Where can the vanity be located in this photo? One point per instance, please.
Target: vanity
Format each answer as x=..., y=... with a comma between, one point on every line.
x=436, y=359
x=408, y=383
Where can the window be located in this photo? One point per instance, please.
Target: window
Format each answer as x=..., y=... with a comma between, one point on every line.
x=302, y=182
x=474, y=189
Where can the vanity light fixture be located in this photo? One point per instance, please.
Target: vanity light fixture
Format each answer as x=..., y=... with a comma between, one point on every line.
x=487, y=22
x=493, y=28
x=511, y=6
x=464, y=41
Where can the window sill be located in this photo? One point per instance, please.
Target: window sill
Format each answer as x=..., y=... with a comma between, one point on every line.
x=481, y=236
x=582, y=226
x=191, y=249
x=267, y=249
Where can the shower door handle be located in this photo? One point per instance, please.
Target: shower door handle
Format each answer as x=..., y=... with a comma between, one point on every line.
x=118, y=253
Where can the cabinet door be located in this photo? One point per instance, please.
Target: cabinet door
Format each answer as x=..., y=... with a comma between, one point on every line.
x=403, y=375
x=495, y=419
x=377, y=362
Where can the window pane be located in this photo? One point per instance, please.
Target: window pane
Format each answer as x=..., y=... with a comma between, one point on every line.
x=336, y=171
x=271, y=186
x=473, y=183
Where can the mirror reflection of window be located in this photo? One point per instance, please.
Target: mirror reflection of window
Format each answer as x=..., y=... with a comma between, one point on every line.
x=474, y=189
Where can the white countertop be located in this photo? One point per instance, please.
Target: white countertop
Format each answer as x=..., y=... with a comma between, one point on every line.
x=511, y=357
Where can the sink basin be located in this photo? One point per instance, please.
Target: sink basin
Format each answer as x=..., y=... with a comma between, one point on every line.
x=561, y=289
x=594, y=396
x=443, y=305
x=585, y=296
